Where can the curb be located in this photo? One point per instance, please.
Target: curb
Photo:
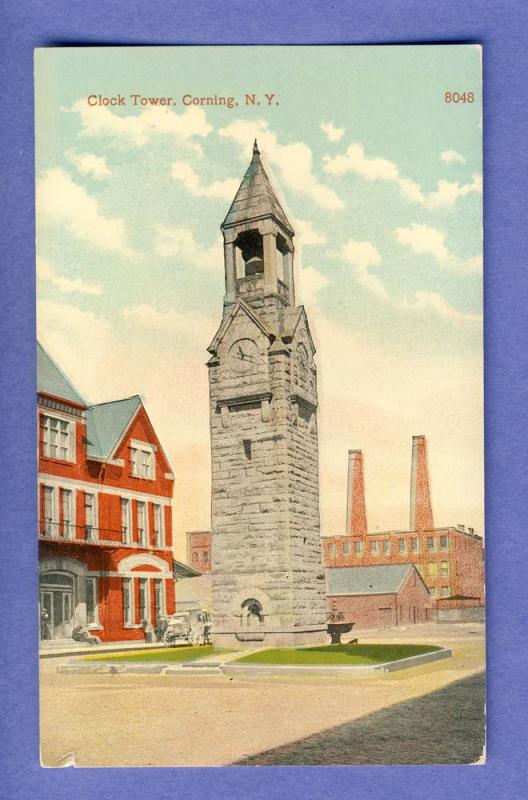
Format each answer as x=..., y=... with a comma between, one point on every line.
x=336, y=670
x=232, y=669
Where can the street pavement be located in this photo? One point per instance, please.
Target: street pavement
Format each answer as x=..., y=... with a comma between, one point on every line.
x=427, y=714
x=443, y=727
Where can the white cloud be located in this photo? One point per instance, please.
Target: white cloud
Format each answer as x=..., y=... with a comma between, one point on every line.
x=309, y=283
x=181, y=242
x=307, y=233
x=364, y=255
x=451, y=156
x=182, y=171
x=294, y=161
x=332, y=133
x=448, y=192
x=381, y=169
x=423, y=239
x=45, y=272
x=432, y=301
x=89, y=164
x=139, y=129
x=61, y=201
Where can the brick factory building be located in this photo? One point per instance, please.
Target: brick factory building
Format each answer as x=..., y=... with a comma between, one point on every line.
x=379, y=596
x=450, y=559
x=105, y=518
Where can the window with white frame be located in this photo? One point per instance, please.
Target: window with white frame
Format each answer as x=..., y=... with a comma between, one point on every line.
x=432, y=591
x=142, y=523
x=144, y=610
x=374, y=548
x=444, y=569
x=58, y=438
x=386, y=547
x=358, y=548
x=159, y=597
x=346, y=548
x=402, y=546
x=431, y=543
x=143, y=460
x=158, y=525
x=90, y=516
x=128, y=601
x=444, y=543
x=50, y=520
x=330, y=550
x=91, y=601
x=432, y=569
x=415, y=545
x=126, y=520
x=446, y=591
x=67, y=514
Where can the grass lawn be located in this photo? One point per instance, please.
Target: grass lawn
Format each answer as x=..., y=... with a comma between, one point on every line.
x=354, y=654
x=159, y=654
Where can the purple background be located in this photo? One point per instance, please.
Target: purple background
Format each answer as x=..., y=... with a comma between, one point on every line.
x=501, y=27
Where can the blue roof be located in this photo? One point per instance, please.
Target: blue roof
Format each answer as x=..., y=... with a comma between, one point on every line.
x=106, y=423
x=52, y=380
x=382, y=579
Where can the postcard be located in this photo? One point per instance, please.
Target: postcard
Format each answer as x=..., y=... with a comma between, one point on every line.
x=260, y=405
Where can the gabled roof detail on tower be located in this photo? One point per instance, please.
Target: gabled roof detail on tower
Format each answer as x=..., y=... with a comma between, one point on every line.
x=52, y=380
x=239, y=306
x=256, y=198
x=292, y=319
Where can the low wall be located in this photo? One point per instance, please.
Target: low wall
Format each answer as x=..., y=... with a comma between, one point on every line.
x=470, y=614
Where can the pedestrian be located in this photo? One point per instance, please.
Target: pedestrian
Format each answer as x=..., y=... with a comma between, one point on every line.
x=45, y=630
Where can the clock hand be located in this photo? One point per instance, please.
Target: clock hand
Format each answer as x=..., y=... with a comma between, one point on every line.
x=241, y=352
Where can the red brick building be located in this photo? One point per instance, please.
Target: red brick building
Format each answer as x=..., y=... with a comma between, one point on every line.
x=105, y=524
x=450, y=559
x=199, y=550
x=378, y=596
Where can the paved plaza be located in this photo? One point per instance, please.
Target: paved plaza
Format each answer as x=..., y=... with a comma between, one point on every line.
x=427, y=714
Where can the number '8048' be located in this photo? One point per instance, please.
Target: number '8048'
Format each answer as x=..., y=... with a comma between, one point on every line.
x=459, y=97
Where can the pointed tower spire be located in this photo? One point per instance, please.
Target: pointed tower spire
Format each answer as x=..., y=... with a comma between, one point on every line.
x=356, y=511
x=258, y=240
x=421, y=518
x=256, y=199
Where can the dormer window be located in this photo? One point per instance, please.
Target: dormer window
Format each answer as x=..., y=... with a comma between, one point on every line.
x=143, y=460
x=58, y=438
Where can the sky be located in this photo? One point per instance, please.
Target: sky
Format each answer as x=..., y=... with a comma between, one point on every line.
x=382, y=181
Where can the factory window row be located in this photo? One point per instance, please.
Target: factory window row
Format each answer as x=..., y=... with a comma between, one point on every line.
x=385, y=546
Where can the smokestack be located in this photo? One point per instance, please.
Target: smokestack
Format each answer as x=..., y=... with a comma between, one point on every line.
x=421, y=509
x=356, y=522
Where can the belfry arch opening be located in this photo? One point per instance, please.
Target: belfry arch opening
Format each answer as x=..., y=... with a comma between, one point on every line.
x=250, y=258
x=249, y=254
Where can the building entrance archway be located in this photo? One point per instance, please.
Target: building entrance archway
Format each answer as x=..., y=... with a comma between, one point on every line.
x=57, y=605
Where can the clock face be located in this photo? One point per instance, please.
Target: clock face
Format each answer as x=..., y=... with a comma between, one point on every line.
x=243, y=355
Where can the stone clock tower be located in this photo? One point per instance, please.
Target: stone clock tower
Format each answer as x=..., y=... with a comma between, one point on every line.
x=267, y=578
